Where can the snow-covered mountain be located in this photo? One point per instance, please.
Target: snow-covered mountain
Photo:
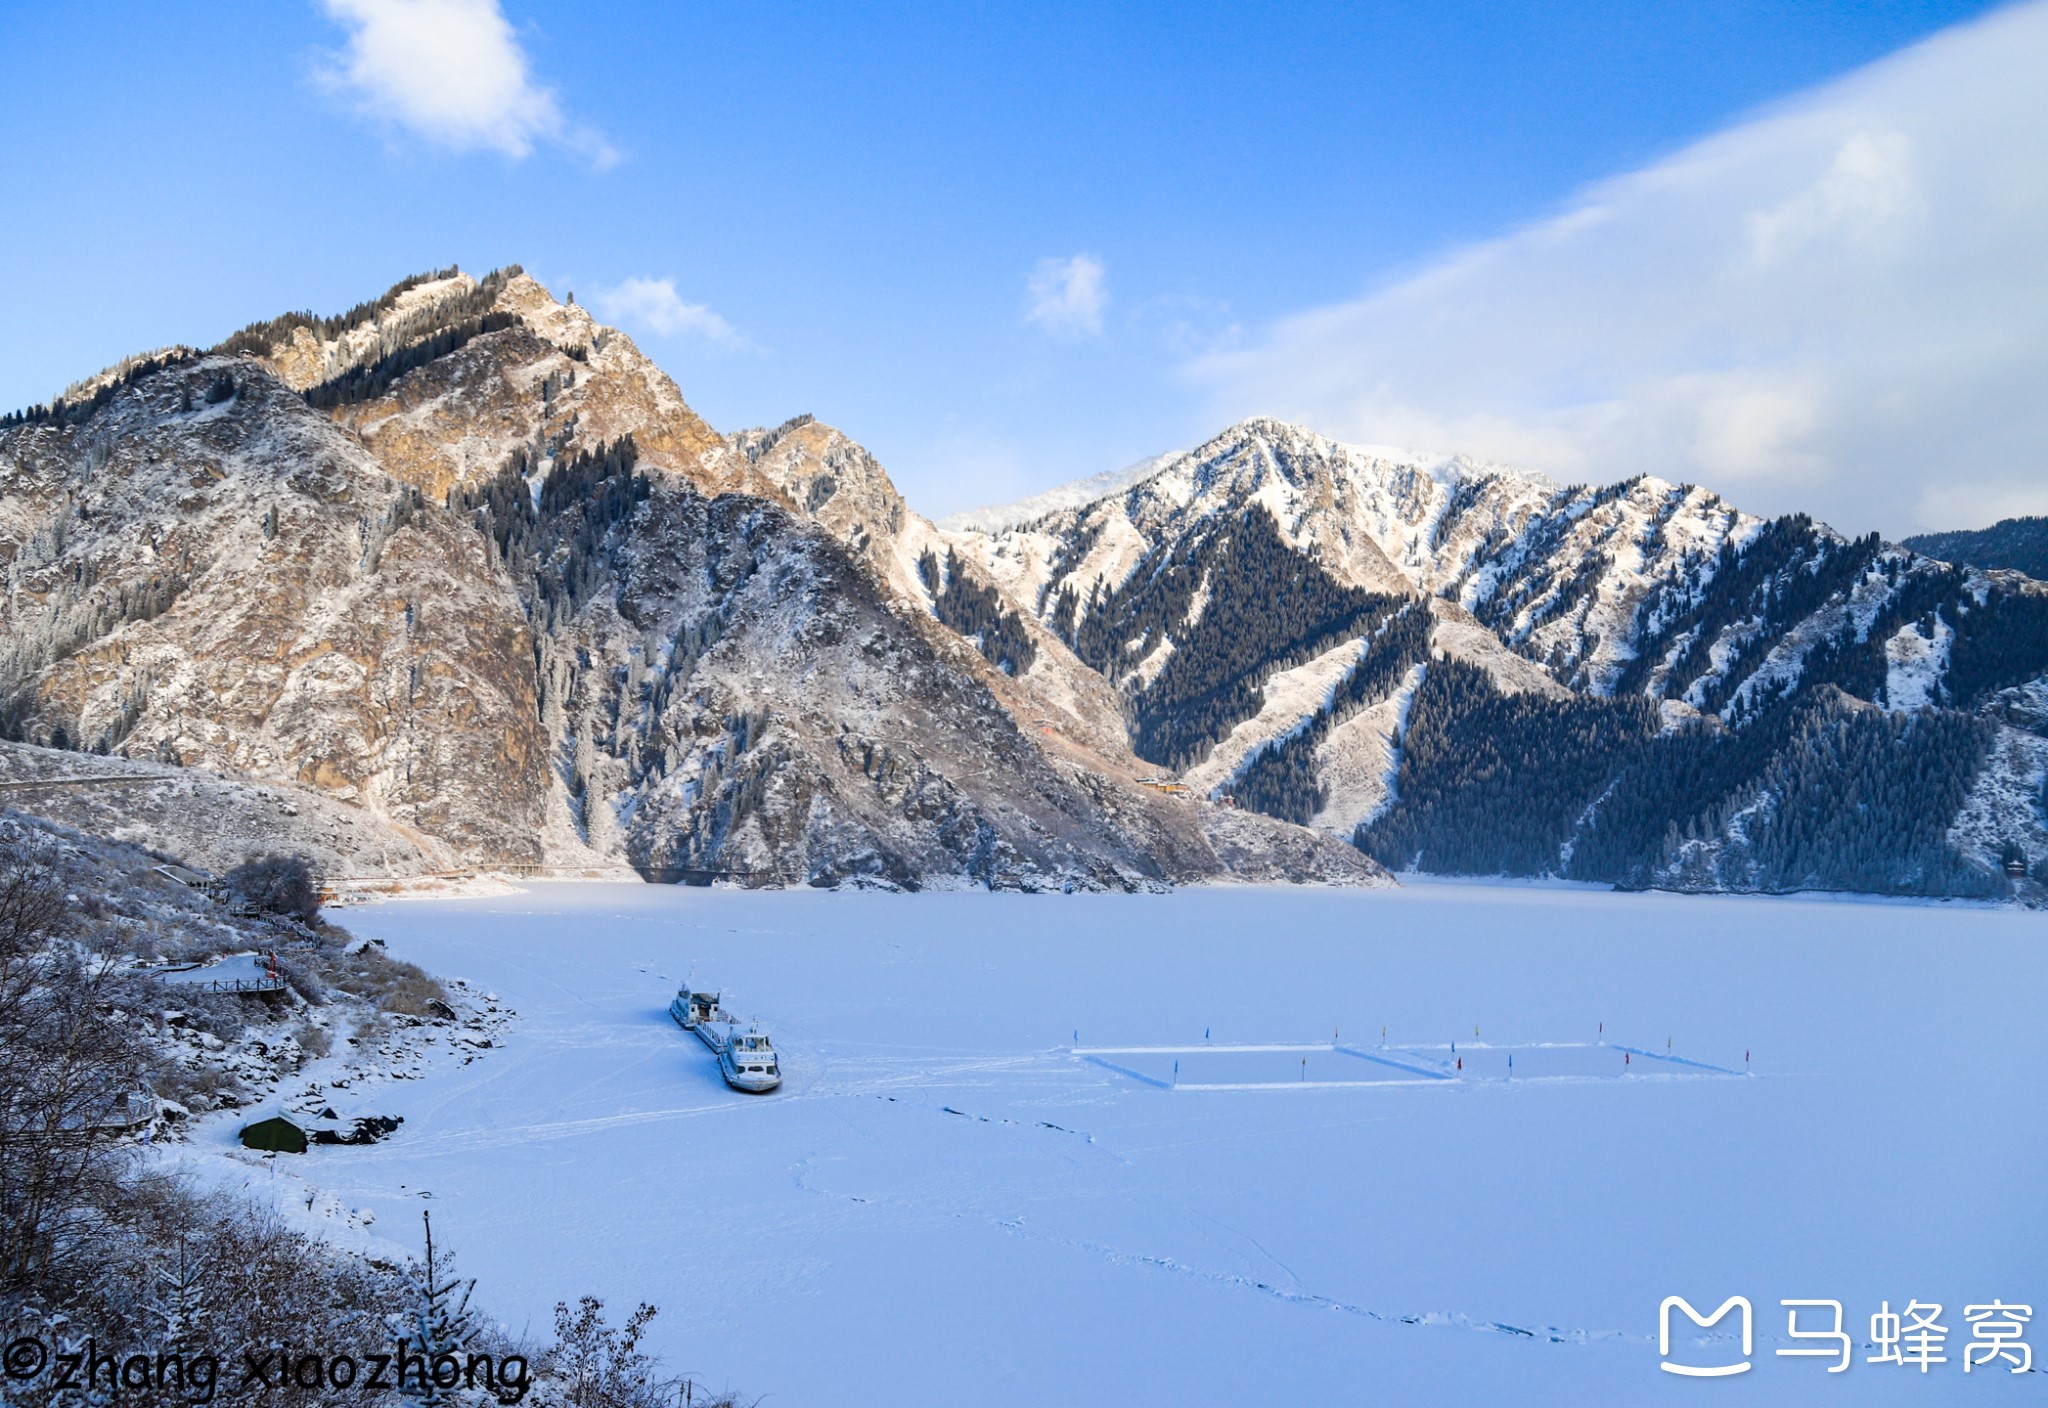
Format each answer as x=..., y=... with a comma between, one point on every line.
x=1470, y=667
x=467, y=561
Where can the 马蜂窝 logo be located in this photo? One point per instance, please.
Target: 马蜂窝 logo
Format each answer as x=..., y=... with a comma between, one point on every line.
x=1912, y=1338
x=1699, y=1371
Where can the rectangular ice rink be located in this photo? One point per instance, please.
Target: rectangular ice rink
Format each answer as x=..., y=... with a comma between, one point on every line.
x=953, y=1202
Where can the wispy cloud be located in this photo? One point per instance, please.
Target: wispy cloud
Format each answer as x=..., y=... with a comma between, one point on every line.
x=1067, y=296
x=655, y=305
x=1835, y=306
x=454, y=73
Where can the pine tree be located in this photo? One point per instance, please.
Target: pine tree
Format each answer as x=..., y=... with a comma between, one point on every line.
x=177, y=1300
x=977, y=613
x=436, y=1323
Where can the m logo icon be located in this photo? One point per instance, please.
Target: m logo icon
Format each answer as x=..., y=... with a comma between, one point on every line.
x=1693, y=1371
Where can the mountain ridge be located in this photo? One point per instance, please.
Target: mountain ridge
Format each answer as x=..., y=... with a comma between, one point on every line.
x=1644, y=589
x=465, y=559
x=2014, y=544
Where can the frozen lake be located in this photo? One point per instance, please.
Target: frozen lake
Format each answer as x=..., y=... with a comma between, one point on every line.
x=948, y=1203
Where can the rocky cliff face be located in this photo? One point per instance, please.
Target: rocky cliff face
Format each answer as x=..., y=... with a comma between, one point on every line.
x=466, y=561
x=748, y=700
x=210, y=573
x=841, y=488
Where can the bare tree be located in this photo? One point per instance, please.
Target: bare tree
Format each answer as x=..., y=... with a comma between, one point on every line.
x=278, y=884
x=67, y=1074
x=595, y=1364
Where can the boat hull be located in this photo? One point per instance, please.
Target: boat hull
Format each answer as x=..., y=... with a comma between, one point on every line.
x=717, y=1038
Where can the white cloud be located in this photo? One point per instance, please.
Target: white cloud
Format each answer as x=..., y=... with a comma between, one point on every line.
x=1068, y=296
x=1867, y=189
x=1840, y=305
x=453, y=72
x=655, y=304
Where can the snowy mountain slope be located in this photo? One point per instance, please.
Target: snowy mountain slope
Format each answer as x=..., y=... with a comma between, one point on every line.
x=305, y=351
x=210, y=821
x=1321, y=748
x=550, y=374
x=846, y=491
x=1356, y=762
x=467, y=560
x=1288, y=700
x=1317, y=491
x=1638, y=590
x=754, y=700
x=1457, y=634
x=2008, y=801
x=1559, y=573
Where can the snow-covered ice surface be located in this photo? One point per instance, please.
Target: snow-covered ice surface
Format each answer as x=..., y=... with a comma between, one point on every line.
x=948, y=1204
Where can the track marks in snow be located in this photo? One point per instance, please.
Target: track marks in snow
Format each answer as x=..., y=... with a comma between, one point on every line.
x=518, y=1135
x=925, y=1210
x=1002, y=1119
x=1232, y=1281
x=1287, y=1288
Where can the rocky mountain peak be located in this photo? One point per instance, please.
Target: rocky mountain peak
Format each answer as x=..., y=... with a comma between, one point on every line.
x=464, y=560
x=447, y=376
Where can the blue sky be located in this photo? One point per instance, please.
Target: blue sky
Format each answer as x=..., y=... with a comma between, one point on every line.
x=1010, y=246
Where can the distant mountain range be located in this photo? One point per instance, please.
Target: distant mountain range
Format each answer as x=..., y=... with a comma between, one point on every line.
x=2015, y=544
x=467, y=562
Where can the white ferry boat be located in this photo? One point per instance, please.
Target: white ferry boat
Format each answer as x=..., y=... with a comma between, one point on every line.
x=748, y=1062
x=746, y=1059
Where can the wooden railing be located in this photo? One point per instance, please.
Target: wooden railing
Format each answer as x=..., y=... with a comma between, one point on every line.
x=243, y=985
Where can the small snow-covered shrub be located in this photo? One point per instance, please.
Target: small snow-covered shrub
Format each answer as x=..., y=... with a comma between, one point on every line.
x=314, y=1040
x=410, y=995
x=203, y=1087
x=301, y=976
x=393, y=984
